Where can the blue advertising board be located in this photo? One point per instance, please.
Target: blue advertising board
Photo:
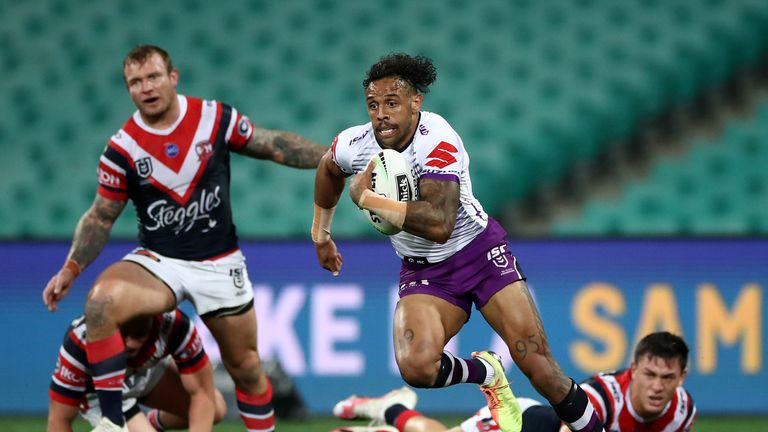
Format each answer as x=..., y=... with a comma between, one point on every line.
x=333, y=335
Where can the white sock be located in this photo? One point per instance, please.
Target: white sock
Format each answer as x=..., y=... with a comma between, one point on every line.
x=490, y=372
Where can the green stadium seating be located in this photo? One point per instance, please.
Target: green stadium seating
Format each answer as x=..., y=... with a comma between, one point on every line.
x=719, y=187
x=533, y=87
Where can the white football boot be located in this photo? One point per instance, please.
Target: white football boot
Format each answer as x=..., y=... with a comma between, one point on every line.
x=357, y=407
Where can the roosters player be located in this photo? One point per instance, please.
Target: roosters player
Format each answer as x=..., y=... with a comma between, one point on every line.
x=167, y=369
x=171, y=158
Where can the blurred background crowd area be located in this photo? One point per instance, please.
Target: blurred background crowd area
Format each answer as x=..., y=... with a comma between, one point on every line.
x=581, y=117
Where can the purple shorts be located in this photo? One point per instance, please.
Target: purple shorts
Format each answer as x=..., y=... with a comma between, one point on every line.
x=472, y=275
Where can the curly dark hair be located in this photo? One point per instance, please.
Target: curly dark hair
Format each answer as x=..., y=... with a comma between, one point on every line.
x=665, y=345
x=418, y=71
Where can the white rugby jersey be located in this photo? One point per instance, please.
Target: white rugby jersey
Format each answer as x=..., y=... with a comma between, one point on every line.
x=436, y=151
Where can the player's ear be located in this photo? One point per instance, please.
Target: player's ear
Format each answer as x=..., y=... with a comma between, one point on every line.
x=174, y=76
x=683, y=376
x=416, y=100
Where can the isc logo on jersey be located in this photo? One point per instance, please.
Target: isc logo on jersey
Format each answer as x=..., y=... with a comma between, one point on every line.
x=393, y=178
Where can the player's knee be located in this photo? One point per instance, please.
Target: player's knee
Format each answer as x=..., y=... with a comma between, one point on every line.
x=102, y=302
x=417, y=378
x=245, y=370
x=419, y=372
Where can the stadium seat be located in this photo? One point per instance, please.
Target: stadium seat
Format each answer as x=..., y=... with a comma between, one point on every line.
x=718, y=187
x=533, y=87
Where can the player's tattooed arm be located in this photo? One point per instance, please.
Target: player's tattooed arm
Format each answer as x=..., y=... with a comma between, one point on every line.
x=285, y=148
x=433, y=216
x=93, y=230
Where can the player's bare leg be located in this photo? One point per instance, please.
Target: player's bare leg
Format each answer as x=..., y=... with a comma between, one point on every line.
x=423, y=325
x=236, y=336
x=513, y=315
x=171, y=401
x=123, y=291
x=139, y=423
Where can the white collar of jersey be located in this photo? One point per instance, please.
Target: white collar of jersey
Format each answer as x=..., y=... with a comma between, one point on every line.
x=636, y=416
x=167, y=131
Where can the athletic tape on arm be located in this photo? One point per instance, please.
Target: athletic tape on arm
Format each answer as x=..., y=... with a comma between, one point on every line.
x=73, y=267
x=321, y=224
x=386, y=208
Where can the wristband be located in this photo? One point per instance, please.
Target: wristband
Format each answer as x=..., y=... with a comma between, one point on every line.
x=73, y=266
x=321, y=224
x=386, y=208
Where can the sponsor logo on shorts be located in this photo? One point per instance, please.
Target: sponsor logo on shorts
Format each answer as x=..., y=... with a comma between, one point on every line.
x=411, y=284
x=237, y=277
x=498, y=256
x=416, y=260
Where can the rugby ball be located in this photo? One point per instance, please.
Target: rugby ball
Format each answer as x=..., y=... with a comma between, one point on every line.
x=393, y=178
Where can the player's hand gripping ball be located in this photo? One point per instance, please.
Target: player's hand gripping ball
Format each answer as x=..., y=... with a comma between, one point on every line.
x=393, y=178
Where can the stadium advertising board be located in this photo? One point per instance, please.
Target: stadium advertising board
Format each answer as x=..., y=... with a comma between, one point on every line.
x=332, y=335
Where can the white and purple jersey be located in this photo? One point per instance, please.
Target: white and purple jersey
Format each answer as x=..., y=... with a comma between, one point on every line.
x=178, y=178
x=436, y=152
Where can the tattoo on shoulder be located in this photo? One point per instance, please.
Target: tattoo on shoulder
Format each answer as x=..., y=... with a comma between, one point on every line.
x=93, y=229
x=286, y=148
x=298, y=151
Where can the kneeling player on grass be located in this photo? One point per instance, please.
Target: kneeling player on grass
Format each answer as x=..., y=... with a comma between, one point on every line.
x=168, y=371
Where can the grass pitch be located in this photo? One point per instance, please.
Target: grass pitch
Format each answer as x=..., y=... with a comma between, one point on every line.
x=325, y=424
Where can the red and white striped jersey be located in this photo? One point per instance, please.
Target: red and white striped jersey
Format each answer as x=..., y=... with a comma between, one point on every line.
x=178, y=178
x=609, y=393
x=172, y=334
